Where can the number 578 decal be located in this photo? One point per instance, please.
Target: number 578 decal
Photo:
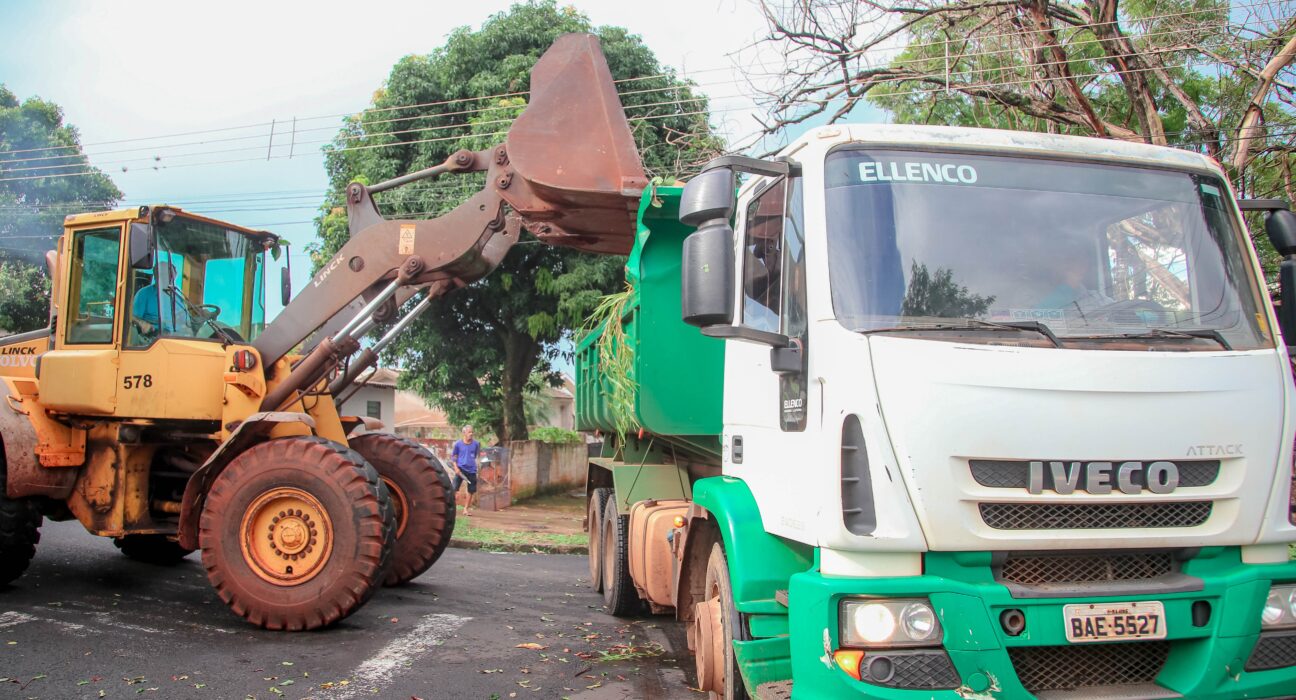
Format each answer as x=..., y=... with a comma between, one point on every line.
x=135, y=381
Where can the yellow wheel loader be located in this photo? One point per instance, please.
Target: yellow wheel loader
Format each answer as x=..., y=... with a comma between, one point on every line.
x=161, y=409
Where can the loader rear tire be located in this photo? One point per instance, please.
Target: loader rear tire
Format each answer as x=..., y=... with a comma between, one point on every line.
x=297, y=533
x=19, y=532
x=421, y=495
x=619, y=594
x=594, y=516
x=152, y=549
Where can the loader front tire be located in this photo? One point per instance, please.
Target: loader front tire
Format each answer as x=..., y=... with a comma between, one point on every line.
x=152, y=549
x=296, y=533
x=421, y=495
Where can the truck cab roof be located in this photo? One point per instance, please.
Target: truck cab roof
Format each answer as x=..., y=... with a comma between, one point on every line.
x=1015, y=142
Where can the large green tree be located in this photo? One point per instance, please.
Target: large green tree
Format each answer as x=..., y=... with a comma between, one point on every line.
x=478, y=350
x=43, y=177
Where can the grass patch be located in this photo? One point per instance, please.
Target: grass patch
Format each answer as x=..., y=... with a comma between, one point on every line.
x=465, y=531
x=556, y=501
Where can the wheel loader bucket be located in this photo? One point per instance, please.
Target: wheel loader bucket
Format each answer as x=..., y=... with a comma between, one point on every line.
x=573, y=150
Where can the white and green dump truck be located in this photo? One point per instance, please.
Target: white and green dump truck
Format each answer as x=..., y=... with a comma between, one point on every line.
x=924, y=412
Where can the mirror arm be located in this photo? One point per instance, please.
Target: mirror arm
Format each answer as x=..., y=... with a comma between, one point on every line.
x=751, y=335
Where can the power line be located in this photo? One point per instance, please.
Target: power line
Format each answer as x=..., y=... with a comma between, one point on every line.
x=671, y=74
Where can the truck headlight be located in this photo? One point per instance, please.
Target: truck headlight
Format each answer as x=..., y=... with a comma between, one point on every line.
x=1279, y=608
x=888, y=623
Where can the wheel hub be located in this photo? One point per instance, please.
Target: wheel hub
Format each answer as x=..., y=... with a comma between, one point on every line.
x=708, y=635
x=398, y=505
x=287, y=536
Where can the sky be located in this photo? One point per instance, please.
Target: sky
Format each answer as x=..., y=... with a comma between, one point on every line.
x=127, y=74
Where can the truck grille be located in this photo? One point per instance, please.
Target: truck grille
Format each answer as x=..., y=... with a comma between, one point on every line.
x=1273, y=650
x=1077, y=667
x=1035, y=570
x=1093, y=516
x=1005, y=474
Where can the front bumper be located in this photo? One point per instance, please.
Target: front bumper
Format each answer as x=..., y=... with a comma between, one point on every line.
x=1205, y=659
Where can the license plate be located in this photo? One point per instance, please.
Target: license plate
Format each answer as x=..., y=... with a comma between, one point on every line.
x=1105, y=622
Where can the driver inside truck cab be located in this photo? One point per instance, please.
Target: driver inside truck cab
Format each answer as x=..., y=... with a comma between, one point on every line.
x=160, y=307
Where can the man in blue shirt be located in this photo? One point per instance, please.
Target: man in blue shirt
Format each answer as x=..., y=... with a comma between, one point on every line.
x=464, y=456
x=171, y=317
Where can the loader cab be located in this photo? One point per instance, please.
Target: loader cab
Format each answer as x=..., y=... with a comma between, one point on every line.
x=147, y=302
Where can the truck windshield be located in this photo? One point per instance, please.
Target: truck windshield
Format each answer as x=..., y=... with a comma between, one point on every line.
x=207, y=283
x=921, y=241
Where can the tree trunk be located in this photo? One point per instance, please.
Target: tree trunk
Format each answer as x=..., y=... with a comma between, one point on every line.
x=520, y=355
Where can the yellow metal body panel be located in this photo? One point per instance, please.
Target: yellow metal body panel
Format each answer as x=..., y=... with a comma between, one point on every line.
x=79, y=381
x=111, y=494
x=19, y=359
x=174, y=378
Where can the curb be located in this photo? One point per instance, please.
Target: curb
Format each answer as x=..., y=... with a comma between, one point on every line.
x=522, y=548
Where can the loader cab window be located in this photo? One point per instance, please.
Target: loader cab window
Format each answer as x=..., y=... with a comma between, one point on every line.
x=206, y=284
x=93, y=287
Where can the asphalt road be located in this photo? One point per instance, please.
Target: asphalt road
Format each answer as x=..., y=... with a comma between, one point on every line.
x=86, y=622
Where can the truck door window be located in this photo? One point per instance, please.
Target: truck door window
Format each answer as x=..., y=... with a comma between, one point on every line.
x=762, y=263
x=93, y=287
x=794, y=294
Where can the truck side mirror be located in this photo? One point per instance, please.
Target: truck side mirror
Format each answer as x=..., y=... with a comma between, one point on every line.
x=707, y=270
x=1280, y=225
x=142, y=247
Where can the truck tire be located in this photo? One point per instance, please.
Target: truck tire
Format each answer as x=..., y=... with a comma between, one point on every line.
x=717, y=667
x=151, y=549
x=297, y=533
x=619, y=594
x=421, y=496
x=597, y=503
x=19, y=532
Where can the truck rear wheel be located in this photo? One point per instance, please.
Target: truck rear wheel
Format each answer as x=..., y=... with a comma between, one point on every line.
x=715, y=626
x=151, y=549
x=297, y=533
x=598, y=502
x=619, y=595
x=19, y=532
x=421, y=496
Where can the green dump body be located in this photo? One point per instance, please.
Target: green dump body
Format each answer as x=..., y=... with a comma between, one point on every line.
x=677, y=373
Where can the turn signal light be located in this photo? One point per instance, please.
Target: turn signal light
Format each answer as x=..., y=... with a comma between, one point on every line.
x=244, y=360
x=849, y=660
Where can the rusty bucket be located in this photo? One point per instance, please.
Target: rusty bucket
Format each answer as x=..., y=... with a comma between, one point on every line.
x=572, y=147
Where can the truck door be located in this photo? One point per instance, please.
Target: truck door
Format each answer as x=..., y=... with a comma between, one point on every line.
x=80, y=374
x=769, y=429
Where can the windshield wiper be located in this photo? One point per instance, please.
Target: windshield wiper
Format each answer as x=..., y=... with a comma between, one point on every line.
x=979, y=324
x=1193, y=333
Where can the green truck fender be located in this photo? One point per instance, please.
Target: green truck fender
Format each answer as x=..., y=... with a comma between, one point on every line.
x=760, y=564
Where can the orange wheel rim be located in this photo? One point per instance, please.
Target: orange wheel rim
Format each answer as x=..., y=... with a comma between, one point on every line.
x=287, y=536
x=399, y=505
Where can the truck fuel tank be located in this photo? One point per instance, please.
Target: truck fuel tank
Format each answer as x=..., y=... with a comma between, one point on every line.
x=652, y=558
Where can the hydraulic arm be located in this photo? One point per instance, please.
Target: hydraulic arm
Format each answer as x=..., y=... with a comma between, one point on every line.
x=568, y=173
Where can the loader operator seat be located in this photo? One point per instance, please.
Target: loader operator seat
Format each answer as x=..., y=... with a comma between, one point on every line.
x=173, y=319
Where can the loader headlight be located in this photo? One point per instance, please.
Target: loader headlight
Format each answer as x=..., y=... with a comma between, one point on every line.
x=888, y=623
x=1280, y=608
